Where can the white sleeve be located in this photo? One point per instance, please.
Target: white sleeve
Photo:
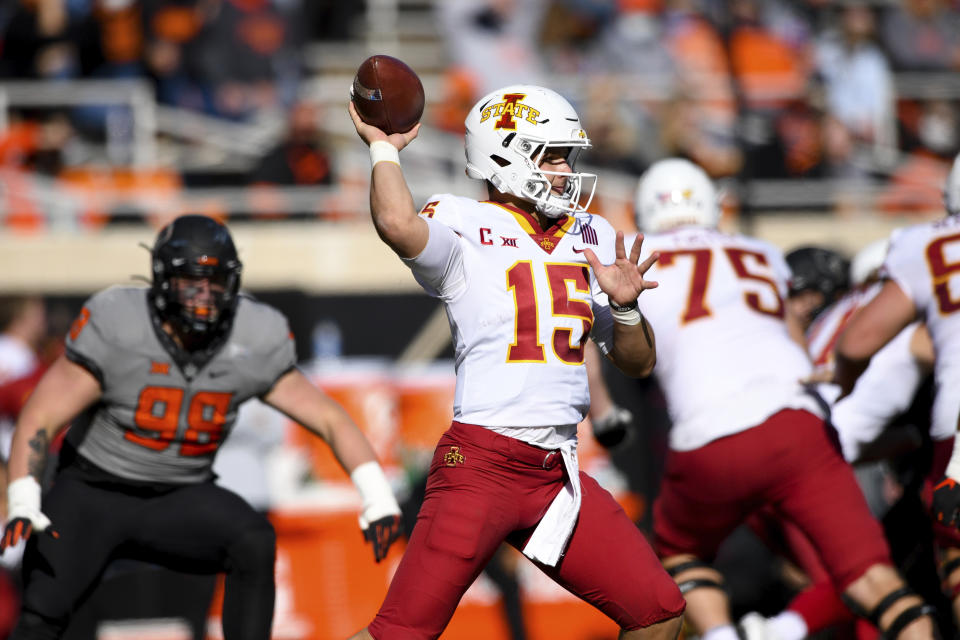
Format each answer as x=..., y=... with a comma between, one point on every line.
x=439, y=267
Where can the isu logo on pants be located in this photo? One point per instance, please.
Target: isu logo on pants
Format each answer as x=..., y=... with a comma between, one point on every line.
x=453, y=457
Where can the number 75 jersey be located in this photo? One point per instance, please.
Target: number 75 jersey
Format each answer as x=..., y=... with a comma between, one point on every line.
x=725, y=359
x=521, y=302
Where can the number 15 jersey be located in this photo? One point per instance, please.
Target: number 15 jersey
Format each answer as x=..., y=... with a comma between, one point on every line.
x=521, y=302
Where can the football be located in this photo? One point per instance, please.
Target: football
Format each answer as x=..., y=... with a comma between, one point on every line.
x=387, y=94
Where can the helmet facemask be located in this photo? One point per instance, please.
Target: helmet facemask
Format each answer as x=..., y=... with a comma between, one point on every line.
x=538, y=188
x=196, y=278
x=510, y=131
x=197, y=300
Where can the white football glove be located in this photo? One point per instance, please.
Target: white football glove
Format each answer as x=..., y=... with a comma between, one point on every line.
x=380, y=513
x=23, y=512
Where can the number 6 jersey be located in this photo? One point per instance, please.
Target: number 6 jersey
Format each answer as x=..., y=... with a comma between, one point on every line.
x=521, y=302
x=162, y=416
x=924, y=261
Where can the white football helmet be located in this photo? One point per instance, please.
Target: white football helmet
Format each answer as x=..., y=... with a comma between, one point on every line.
x=951, y=191
x=675, y=192
x=868, y=261
x=508, y=133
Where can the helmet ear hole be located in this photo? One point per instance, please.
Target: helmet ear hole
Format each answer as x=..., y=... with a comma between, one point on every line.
x=500, y=160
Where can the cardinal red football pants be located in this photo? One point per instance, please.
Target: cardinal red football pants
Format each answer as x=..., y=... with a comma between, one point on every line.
x=790, y=463
x=484, y=489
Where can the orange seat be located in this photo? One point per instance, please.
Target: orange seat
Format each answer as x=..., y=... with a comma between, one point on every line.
x=103, y=189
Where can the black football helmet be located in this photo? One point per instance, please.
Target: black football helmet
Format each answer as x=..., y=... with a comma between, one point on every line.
x=192, y=254
x=820, y=269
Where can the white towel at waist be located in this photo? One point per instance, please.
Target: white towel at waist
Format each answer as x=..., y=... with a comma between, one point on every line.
x=549, y=539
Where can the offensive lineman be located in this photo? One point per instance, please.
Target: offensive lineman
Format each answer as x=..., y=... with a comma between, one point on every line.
x=524, y=281
x=745, y=435
x=158, y=374
x=920, y=281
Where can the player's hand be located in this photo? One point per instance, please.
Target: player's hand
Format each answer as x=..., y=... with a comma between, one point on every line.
x=380, y=514
x=623, y=280
x=23, y=512
x=946, y=502
x=368, y=133
x=383, y=533
x=611, y=429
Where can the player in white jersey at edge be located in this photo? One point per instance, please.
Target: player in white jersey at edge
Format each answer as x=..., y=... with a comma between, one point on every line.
x=526, y=276
x=921, y=281
x=745, y=434
x=861, y=419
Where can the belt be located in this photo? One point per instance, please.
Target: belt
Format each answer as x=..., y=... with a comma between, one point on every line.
x=510, y=447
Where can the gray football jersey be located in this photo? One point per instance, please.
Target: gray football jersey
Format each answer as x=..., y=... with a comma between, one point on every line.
x=157, y=422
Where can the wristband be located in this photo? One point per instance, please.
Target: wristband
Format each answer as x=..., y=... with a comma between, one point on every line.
x=24, y=492
x=625, y=313
x=383, y=151
x=623, y=307
x=631, y=317
x=375, y=493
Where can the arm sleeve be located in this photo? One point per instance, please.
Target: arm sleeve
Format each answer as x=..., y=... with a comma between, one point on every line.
x=280, y=354
x=91, y=341
x=439, y=267
x=904, y=268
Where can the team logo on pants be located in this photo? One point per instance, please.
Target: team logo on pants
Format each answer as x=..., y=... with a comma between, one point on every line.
x=453, y=457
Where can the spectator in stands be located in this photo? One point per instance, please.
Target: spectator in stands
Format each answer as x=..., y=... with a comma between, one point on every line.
x=229, y=58
x=699, y=122
x=922, y=35
x=770, y=57
x=858, y=90
x=301, y=157
x=495, y=39
x=929, y=139
x=35, y=43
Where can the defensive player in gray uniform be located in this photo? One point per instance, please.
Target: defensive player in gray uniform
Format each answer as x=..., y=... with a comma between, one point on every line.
x=153, y=378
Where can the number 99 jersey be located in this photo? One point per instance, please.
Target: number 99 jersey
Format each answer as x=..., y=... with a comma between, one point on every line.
x=725, y=359
x=924, y=261
x=521, y=301
x=161, y=418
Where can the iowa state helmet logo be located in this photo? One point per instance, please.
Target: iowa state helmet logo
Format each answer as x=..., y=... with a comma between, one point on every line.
x=508, y=110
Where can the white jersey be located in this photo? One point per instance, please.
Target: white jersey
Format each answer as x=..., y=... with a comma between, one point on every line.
x=521, y=302
x=924, y=261
x=725, y=359
x=884, y=390
x=17, y=359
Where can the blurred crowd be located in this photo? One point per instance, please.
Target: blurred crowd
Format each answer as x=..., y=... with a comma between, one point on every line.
x=855, y=90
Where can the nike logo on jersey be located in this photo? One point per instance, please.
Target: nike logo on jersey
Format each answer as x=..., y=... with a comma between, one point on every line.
x=218, y=374
x=578, y=250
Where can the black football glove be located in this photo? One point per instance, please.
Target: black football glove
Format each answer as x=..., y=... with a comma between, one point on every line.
x=383, y=533
x=946, y=502
x=611, y=429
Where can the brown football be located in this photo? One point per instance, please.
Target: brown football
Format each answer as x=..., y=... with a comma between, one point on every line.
x=387, y=94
